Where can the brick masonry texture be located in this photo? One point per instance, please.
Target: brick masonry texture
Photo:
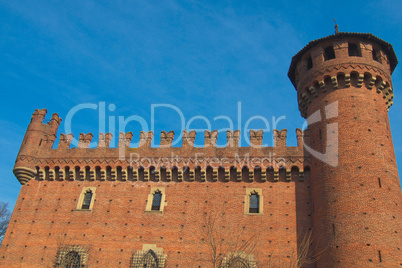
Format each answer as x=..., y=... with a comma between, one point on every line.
x=353, y=208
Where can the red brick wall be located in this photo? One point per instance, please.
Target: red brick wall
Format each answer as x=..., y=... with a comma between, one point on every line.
x=44, y=218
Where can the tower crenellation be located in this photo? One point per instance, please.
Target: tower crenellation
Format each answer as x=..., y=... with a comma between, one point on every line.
x=336, y=61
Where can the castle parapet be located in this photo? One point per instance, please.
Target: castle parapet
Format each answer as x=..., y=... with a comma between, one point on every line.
x=84, y=140
x=300, y=138
x=146, y=139
x=280, y=138
x=38, y=116
x=188, y=139
x=65, y=141
x=104, y=140
x=210, y=138
x=39, y=139
x=167, y=139
x=233, y=138
x=54, y=123
x=256, y=138
x=125, y=139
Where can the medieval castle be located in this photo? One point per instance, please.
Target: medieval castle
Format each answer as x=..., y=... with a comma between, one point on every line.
x=334, y=200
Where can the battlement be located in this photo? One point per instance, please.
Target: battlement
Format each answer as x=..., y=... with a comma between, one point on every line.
x=42, y=157
x=166, y=139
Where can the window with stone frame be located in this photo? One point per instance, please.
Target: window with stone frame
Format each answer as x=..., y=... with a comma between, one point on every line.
x=156, y=200
x=253, y=201
x=86, y=199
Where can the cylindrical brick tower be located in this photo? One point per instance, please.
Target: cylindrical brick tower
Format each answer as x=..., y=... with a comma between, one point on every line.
x=344, y=90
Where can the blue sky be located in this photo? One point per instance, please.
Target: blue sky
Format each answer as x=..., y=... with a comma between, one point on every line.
x=203, y=57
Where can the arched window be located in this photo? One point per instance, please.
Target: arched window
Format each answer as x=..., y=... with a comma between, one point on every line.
x=152, y=174
x=141, y=174
x=221, y=173
x=86, y=203
x=77, y=173
x=72, y=260
x=210, y=173
x=156, y=201
x=109, y=173
x=186, y=173
x=245, y=173
x=150, y=260
x=233, y=173
x=163, y=173
x=98, y=173
x=150, y=257
x=119, y=173
x=57, y=173
x=175, y=173
x=87, y=173
x=254, y=203
x=197, y=173
x=257, y=173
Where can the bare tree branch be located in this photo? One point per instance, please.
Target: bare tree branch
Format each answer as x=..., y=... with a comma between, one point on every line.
x=4, y=220
x=230, y=245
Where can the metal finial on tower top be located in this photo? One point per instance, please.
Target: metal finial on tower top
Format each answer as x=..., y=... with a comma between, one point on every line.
x=336, y=27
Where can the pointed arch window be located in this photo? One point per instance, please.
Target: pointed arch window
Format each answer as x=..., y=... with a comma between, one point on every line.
x=149, y=257
x=150, y=260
